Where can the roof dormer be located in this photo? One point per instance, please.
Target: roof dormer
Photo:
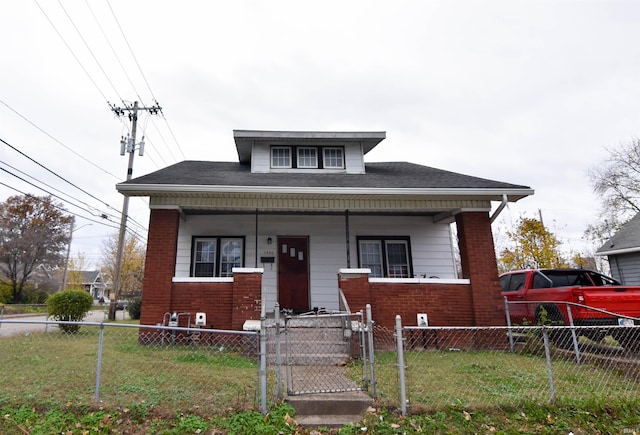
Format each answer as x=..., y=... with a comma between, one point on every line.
x=303, y=151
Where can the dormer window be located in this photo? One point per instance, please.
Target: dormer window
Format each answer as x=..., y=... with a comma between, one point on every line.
x=307, y=158
x=280, y=157
x=333, y=158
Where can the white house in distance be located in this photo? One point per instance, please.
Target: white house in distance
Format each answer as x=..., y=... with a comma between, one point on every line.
x=301, y=216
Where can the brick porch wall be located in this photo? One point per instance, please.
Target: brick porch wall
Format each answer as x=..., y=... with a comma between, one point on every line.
x=477, y=304
x=226, y=304
x=444, y=304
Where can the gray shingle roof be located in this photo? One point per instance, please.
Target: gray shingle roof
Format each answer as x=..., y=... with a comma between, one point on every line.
x=627, y=238
x=378, y=175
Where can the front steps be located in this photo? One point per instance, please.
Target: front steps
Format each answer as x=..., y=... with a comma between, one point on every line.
x=329, y=409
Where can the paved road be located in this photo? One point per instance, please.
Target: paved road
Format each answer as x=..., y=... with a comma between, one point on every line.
x=13, y=325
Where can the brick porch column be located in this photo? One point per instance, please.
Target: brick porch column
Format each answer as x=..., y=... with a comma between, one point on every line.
x=247, y=296
x=479, y=266
x=354, y=283
x=160, y=265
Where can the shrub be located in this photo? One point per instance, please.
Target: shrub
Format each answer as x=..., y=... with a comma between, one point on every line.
x=70, y=306
x=134, y=307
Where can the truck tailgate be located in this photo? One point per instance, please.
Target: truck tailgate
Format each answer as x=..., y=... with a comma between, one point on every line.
x=619, y=299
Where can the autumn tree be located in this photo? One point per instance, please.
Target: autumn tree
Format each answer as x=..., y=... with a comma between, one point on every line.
x=531, y=245
x=616, y=181
x=133, y=255
x=34, y=231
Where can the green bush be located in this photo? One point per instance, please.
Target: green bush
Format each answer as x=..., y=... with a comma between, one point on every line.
x=134, y=307
x=70, y=306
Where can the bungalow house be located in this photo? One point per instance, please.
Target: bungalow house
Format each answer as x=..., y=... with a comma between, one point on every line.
x=623, y=252
x=89, y=280
x=301, y=220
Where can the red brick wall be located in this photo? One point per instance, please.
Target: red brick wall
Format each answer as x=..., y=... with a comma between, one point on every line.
x=247, y=295
x=213, y=299
x=479, y=265
x=159, y=265
x=227, y=304
x=477, y=304
x=445, y=304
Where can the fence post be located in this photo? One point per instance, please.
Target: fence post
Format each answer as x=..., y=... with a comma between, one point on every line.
x=99, y=363
x=263, y=361
x=278, y=350
x=574, y=336
x=371, y=350
x=509, y=331
x=363, y=348
x=401, y=366
x=547, y=353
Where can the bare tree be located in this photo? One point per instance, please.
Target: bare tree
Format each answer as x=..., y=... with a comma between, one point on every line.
x=616, y=180
x=33, y=231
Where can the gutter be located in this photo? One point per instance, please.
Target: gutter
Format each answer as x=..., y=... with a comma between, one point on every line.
x=618, y=251
x=147, y=189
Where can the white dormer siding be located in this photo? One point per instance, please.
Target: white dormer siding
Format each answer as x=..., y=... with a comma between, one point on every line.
x=255, y=147
x=352, y=154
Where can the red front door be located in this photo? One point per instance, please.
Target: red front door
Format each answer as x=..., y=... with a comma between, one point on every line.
x=293, y=273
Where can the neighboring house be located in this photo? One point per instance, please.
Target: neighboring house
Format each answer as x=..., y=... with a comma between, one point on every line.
x=623, y=252
x=89, y=280
x=301, y=216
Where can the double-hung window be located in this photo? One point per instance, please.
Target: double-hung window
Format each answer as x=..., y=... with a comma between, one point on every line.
x=280, y=157
x=385, y=257
x=216, y=256
x=332, y=158
x=307, y=157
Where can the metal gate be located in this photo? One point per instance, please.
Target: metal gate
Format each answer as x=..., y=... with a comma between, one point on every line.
x=322, y=351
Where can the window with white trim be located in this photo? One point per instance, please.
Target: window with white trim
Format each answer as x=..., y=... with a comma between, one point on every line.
x=216, y=256
x=386, y=257
x=307, y=157
x=333, y=158
x=280, y=157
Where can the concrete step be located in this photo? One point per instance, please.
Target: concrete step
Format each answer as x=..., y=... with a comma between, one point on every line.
x=315, y=359
x=329, y=409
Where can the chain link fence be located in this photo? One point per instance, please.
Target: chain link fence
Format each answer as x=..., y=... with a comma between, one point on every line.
x=476, y=367
x=126, y=366
x=132, y=367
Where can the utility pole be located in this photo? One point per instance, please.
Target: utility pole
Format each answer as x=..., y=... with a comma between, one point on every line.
x=127, y=144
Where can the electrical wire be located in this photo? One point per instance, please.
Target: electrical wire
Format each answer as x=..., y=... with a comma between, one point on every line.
x=89, y=48
x=63, y=179
x=71, y=51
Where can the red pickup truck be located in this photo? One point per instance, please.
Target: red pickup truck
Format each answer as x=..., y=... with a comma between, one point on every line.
x=549, y=288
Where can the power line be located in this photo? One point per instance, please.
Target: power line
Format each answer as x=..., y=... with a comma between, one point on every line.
x=71, y=51
x=60, y=177
x=57, y=141
x=88, y=48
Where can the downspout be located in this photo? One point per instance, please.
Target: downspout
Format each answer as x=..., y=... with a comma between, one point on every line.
x=256, y=259
x=503, y=204
x=346, y=224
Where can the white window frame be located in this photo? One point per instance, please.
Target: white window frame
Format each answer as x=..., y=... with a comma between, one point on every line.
x=326, y=159
x=275, y=159
x=300, y=157
x=386, y=268
x=377, y=268
x=218, y=256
